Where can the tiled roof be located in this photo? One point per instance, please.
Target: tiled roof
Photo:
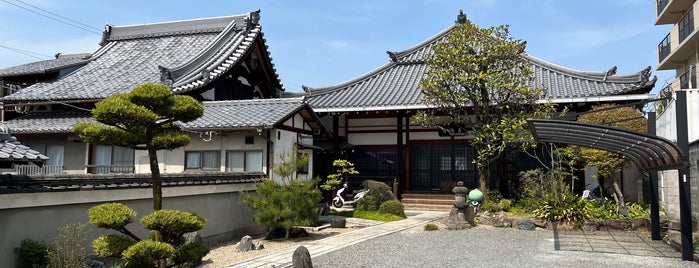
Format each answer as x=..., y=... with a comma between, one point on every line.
x=48, y=122
x=46, y=66
x=395, y=85
x=171, y=53
x=246, y=114
x=13, y=150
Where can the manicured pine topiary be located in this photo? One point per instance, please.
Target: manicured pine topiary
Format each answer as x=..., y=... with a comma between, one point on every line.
x=170, y=224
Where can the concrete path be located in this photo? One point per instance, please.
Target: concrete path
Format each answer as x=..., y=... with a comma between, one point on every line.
x=282, y=258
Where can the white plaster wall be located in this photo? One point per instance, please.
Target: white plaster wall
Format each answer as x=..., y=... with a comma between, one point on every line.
x=283, y=146
x=38, y=216
x=173, y=161
x=372, y=138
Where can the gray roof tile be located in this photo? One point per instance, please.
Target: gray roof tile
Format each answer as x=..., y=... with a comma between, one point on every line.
x=239, y=114
x=134, y=55
x=48, y=122
x=46, y=66
x=13, y=150
x=395, y=85
x=246, y=114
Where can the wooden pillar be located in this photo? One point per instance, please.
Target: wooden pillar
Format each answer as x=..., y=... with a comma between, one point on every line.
x=400, y=158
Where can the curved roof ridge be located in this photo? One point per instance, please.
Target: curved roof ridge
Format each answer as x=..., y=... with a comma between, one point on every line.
x=330, y=89
x=608, y=76
x=232, y=43
x=223, y=39
x=160, y=29
x=399, y=55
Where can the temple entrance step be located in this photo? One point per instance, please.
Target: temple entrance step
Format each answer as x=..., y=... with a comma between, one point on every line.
x=427, y=201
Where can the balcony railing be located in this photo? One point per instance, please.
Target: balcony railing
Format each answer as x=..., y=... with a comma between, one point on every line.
x=686, y=24
x=34, y=169
x=662, y=4
x=689, y=78
x=107, y=169
x=664, y=48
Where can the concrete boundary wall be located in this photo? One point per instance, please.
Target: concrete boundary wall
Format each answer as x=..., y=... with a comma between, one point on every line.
x=38, y=216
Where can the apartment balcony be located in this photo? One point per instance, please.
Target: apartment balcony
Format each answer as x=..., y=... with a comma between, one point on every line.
x=109, y=169
x=670, y=11
x=679, y=45
x=34, y=169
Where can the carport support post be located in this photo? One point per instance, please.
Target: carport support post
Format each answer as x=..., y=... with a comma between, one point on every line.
x=685, y=194
x=654, y=206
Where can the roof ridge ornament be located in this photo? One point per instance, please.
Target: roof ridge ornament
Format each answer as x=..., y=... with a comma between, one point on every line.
x=461, y=18
x=610, y=72
x=392, y=55
x=645, y=74
x=165, y=76
x=253, y=19
x=105, y=34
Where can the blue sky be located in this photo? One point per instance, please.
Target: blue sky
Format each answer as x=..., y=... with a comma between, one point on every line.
x=322, y=43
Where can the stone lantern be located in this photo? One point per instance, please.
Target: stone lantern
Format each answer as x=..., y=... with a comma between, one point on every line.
x=457, y=216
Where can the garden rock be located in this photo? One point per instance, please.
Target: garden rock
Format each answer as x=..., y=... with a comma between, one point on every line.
x=526, y=224
x=247, y=243
x=278, y=233
x=301, y=258
x=540, y=223
x=192, y=237
x=244, y=245
x=501, y=220
x=486, y=219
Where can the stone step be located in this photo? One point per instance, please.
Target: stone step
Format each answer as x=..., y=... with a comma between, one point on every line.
x=428, y=196
x=428, y=207
x=427, y=201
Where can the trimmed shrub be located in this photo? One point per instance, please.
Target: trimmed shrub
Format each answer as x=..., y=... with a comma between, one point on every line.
x=379, y=192
x=147, y=253
x=173, y=224
x=112, y=245
x=431, y=227
x=394, y=207
x=168, y=225
x=368, y=203
x=111, y=215
x=32, y=254
x=191, y=253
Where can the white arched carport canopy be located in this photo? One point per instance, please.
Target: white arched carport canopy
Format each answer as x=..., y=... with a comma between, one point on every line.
x=648, y=152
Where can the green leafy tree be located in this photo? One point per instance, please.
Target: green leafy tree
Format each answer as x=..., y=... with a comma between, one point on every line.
x=143, y=119
x=478, y=78
x=609, y=164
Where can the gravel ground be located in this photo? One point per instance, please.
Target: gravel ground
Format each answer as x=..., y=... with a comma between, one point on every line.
x=483, y=246
x=226, y=253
